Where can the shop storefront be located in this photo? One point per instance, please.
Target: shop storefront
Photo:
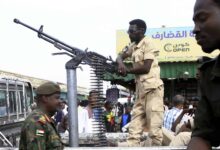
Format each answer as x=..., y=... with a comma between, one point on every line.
x=180, y=78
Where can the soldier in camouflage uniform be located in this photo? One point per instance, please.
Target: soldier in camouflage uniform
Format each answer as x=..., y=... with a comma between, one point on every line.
x=38, y=131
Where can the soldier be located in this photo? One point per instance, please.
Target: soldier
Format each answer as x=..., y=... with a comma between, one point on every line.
x=207, y=117
x=38, y=131
x=148, y=108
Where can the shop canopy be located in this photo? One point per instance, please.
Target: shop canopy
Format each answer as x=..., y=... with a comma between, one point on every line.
x=175, y=70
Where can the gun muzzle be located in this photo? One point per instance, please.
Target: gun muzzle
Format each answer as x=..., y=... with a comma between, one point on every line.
x=16, y=20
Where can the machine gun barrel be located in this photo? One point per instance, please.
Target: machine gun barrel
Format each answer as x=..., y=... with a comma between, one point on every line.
x=84, y=55
x=51, y=39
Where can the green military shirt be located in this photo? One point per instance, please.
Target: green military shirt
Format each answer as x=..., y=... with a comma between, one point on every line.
x=207, y=116
x=39, y=133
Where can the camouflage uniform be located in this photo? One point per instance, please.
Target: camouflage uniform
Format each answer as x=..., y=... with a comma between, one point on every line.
x=39, y=131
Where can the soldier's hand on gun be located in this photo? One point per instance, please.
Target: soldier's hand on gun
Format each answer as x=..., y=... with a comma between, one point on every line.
x=122, y=70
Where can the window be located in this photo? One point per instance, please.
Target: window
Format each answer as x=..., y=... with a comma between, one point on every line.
x=3, y=104
x=12, y=102
x=29, y=96
x=23, y=102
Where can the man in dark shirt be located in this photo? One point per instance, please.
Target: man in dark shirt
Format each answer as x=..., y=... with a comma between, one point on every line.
x=59, y=115
x=207, y=118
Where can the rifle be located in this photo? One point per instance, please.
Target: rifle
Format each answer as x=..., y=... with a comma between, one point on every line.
x=81, y=56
